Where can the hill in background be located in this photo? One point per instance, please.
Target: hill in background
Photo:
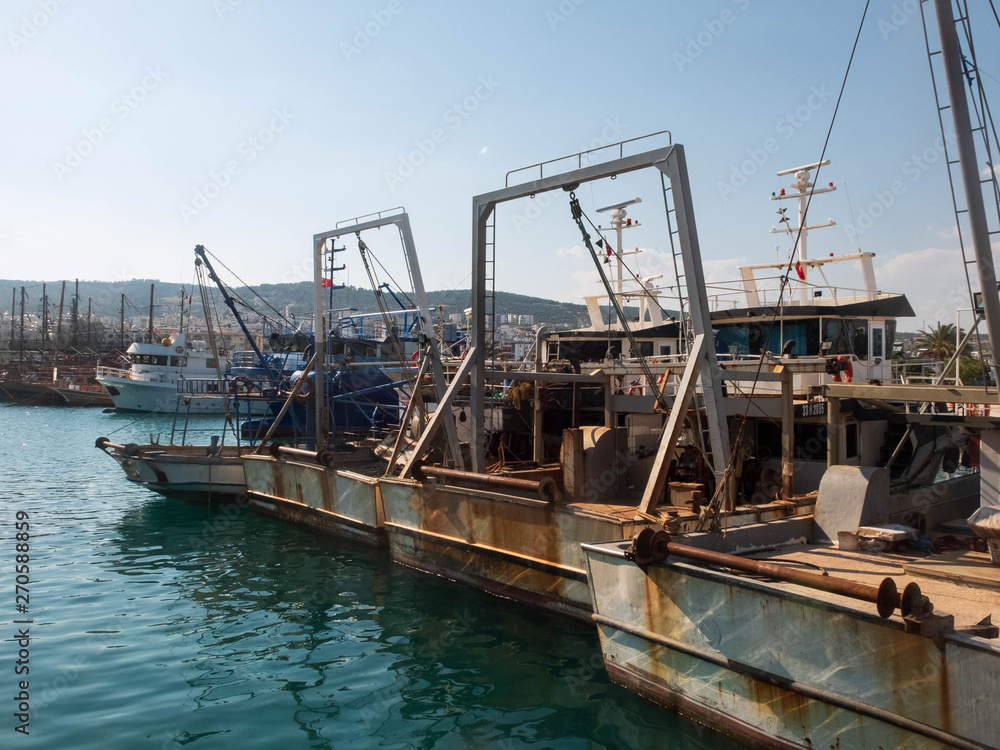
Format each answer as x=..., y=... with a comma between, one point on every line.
x=294, y=300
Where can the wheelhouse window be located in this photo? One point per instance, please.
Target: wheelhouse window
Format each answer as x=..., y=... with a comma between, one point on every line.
x=848, y=336
x=645, y=349
x=149, y=359
x=758, y=337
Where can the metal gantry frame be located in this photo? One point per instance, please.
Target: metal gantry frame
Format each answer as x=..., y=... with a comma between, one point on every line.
x=670, y=161
x=401, y=221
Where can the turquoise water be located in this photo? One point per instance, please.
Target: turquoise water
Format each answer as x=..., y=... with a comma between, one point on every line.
x=162, y=624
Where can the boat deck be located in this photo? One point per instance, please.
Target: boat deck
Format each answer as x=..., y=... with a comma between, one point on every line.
x=963, y=583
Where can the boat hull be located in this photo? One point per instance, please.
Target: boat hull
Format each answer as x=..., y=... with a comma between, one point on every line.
x=788, y=669
x=187, y=470
x=89, y=396
x=29, y=394
x=338, y=501
x=517, y=547
x=162, y=398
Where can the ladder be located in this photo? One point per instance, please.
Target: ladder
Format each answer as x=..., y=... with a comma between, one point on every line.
x=683, y=316
x=980, y=109
x=700, y=429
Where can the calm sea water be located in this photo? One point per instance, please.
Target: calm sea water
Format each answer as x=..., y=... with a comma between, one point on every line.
x=162, y=624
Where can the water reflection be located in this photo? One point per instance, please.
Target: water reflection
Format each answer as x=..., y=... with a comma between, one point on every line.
x=366, y=649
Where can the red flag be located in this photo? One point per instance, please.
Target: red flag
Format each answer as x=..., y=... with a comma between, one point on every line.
x=326, y=283
x=800, y=270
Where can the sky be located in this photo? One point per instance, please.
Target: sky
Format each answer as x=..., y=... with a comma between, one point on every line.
x=133, y=131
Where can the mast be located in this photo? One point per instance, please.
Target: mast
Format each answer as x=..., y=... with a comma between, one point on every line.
x=88, y=320
x=201, y=257
x=23, y=295
x=180, y=326
x=74, y=315
x=13, y=312
x=151, y=287
x=804, y=189
x=62, y=298
x=618, y=222
x=121, y=330
x=951, y=59
x=45, y=317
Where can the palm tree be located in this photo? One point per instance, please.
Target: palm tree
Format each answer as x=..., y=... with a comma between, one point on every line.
x=939, y=342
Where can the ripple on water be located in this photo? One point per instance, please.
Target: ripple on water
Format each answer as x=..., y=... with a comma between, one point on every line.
x=164, y=624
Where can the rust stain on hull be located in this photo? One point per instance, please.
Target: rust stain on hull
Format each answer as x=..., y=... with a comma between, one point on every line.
x=521, y=548
x=318, y=520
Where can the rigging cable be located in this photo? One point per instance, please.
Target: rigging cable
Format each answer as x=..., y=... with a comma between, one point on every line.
x=578, y=216
x=389, y=327
x=258, y=294
x=712, y=507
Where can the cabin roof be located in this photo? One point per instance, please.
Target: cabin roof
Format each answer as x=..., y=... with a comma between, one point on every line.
x=895, y=306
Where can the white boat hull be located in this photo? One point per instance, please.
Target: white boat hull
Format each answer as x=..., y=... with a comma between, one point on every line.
x=183, y=470
x=156, y=397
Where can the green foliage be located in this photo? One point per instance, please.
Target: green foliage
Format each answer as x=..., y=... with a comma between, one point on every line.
x=971, y=371
x=938, y=342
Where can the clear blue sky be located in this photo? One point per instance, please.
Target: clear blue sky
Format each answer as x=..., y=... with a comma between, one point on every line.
x=118, y=114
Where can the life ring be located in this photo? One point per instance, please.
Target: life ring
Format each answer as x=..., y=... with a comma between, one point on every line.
x=179, y=349
x=415, y=357
x=240, y=382
x=305, y=392
x=841, y=368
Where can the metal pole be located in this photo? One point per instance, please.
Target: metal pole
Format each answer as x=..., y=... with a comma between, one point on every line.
x=545, y=487
x=886, y=595
x=13, y=312
x=320, y=329
x=22, y=330
x=787, y=435
x=538, y=446
x=74, y=315
x=62, y=298
x=45, y=317
x=151, y=287
x=952, y=62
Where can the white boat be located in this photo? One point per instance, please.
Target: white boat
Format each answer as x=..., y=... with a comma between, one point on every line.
x=163, y=373
x=205, y=472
